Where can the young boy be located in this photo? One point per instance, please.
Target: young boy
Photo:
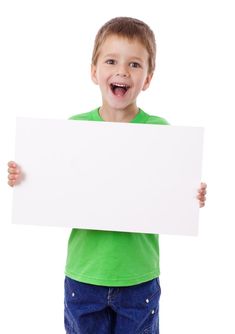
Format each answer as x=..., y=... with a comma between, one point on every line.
x=112, y=278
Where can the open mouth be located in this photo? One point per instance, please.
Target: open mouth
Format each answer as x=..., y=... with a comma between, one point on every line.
x=119, y=89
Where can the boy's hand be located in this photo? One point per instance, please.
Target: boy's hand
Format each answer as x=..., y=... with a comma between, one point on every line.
x=202, y=194
x=13, y=173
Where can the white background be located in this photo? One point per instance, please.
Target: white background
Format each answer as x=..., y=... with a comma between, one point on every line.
x=44, y=72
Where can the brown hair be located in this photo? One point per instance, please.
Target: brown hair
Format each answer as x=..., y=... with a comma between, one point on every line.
x=129, y=28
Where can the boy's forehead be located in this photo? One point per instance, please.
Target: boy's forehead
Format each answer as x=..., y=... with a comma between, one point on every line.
x=111, y=41
x=115, y=38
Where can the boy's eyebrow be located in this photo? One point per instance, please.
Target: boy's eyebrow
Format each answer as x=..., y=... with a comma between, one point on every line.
x=115, y=55
x=111, y=55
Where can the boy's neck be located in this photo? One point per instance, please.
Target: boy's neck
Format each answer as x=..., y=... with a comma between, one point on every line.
x=116, y=115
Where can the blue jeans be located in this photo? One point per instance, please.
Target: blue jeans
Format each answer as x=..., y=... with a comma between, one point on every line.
x=92, y=309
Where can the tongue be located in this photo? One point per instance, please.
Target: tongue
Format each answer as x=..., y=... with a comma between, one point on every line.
x=119, y=91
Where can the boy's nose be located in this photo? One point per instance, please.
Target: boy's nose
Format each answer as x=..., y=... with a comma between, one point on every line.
x=124, y=75
x=122, y=71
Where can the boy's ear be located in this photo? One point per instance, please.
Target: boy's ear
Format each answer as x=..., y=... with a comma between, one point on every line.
x=93, y=74
x=147, y=81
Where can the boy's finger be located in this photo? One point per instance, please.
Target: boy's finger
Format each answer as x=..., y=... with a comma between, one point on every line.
x=201, y=197
x=11, y=183
x=12, y=164
x=202, y=191
x=203, y=185
x=12, y=177
x=13, y=171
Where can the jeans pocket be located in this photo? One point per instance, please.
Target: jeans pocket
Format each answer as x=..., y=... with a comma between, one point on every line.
x=68, y=323
x=71, y=299
x=151, y=324
x=151, y=308
x=155, y=292
x=71, y=290
x=152, y=329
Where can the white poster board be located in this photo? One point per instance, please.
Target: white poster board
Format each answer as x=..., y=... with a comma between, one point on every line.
x=108, y=176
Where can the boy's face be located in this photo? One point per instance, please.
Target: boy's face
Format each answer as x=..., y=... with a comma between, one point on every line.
x=121, y=72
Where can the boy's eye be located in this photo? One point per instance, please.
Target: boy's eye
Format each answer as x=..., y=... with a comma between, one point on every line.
x=110, y=61
x=134, y=64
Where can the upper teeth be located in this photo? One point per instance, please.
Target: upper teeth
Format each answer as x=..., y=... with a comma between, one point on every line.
x=119, y=85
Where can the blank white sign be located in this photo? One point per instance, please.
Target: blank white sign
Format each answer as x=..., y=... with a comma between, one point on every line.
x=108, y=176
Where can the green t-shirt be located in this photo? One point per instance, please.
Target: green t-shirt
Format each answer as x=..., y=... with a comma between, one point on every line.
x=113, y=258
